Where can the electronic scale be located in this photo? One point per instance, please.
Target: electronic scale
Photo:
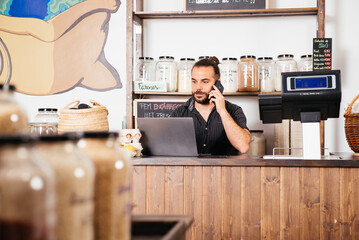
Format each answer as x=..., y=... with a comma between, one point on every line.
x=308, y=97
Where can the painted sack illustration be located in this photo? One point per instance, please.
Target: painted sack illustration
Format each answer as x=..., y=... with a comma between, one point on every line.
x=56, y=45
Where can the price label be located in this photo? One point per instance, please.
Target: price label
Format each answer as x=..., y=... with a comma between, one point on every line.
x=150, y=86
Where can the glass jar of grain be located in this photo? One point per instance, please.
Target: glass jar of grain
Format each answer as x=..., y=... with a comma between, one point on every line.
x=27, y=194
x=112, y=185
x=285, y=63
x=166, y=71
x=266, y=74
x=13, y=118
x=46, y=122
x=248, y=74
x=184, y=72
x=74, y=186
x=306, y=63
x=145, y=69
x=229, y=74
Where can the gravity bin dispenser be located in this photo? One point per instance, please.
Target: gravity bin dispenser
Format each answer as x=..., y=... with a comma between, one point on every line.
x=308, y=97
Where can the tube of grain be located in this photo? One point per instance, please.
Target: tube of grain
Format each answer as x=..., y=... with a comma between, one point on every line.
x=74, y=184
x=112, y=185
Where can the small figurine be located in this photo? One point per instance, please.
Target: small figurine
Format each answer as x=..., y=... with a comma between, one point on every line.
x=131, y=137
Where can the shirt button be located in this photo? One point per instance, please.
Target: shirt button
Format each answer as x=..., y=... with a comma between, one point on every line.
x=204, y=145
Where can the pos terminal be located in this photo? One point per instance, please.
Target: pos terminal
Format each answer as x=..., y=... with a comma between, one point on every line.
x=308, y=97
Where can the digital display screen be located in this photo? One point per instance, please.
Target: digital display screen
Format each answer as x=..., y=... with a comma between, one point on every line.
x=319, y=82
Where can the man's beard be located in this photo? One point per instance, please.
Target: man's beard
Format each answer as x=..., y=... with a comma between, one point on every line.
x=203, y=101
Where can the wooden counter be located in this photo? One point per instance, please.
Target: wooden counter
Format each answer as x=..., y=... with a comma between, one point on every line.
x=239, y=197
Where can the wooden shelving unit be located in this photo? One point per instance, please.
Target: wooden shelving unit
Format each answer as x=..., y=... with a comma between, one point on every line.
x=136, y=15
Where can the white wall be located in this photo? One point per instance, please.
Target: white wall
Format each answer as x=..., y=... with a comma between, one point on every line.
x=228, y=37
x=342, y=25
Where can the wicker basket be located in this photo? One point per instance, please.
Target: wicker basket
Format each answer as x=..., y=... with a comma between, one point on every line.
x=90, y=119
x=352, y=127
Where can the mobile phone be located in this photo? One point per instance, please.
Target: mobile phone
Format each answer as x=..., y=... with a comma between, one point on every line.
x=219, y=85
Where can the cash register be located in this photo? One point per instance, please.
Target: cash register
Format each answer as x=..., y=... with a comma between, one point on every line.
x=308, y=97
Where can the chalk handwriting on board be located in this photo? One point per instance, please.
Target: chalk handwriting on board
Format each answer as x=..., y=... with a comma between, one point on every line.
x=323, y=45
x=322, y=54
x=166, y=106
x=156, y=108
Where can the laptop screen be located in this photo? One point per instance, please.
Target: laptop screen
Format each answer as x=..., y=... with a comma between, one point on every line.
x=168, y=136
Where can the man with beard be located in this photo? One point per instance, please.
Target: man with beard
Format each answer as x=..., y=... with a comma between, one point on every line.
x=220, y=126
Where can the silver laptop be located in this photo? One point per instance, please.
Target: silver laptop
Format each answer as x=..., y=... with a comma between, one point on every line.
x=168, y=136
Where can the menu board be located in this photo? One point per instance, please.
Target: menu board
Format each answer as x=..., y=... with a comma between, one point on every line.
x=322, y=54
x=195, y=5
x=155, y=108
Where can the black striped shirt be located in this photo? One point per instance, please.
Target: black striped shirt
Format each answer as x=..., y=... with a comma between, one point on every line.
x=211, y=137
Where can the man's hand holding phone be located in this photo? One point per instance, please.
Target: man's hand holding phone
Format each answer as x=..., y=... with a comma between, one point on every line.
x=219, y=85
x=217, y=98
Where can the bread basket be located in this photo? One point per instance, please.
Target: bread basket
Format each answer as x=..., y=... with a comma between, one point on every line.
x=352, y=127
x=89, y=119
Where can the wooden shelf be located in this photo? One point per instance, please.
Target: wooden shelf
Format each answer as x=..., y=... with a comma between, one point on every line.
x=189, y=94
x=134, y=39
x=229, y=13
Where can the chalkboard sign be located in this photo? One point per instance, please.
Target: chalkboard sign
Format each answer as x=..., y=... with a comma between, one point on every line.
x=195, y=5
x=155, y=108
x=322, y=54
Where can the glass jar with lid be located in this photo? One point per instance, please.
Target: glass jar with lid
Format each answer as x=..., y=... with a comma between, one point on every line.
x=248, y=74
x=74, y=186
x=257, y=147
x=145, y=69
x=27, y=192
x=266, y=73
x=305, y=63
x=13, y=118
x=112, y=184
x=203, y=57
x=229, y=74
x=45, y=122
x=285, y=63
x=47, y=115
x=184, y=71
x=166, y=71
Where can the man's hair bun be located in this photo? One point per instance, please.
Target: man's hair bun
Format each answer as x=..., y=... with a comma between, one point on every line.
x=214, y=59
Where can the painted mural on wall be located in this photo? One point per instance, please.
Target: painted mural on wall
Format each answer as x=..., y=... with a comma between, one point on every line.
x=56, y=45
